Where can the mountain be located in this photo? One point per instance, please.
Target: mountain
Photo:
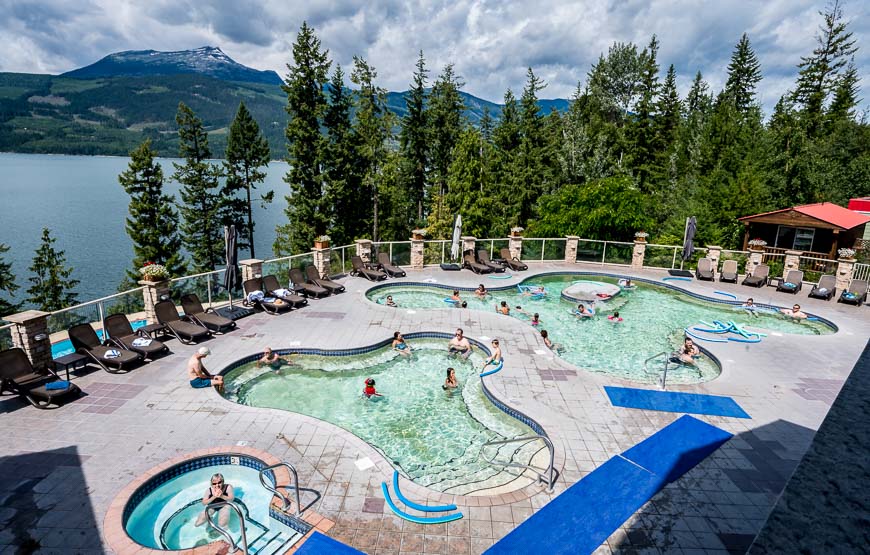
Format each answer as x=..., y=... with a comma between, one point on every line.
x=207, y=60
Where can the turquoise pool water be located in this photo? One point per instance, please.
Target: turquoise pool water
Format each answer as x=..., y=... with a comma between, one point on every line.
x=654, y=318
x=63, y=348
x=165, y=518
x=432, y=435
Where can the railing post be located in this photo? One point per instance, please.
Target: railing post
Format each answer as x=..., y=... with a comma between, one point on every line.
x=364, y=250
x=208, y=288
x=714, y=253
x=252, y=268
x=638, y=253
x=418, y=246
x=102, y=312
x=515, y=243
x=792, y=261
x=468, y=243
x=31, y=335
x=153, y=292
x=543, y=248
x=443, y=248
x=571, y=245
x=755, y=256
x=845, y=273
x=674, y=259
x=603, y=253
x=322, y=254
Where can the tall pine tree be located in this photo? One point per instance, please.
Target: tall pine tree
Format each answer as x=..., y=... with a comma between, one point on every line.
x=643, y=130
x=53, y=286
x=7, y=284
x=247, y=153
x=201, y=229
x=414, y=140
x=744, y=73
x=341, y=165
x=306, y=146
x=152, y=223
x=445, y=120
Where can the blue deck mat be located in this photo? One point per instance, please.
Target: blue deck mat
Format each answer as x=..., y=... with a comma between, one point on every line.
x=673, y=401
x=587, y=513
x=318, y=544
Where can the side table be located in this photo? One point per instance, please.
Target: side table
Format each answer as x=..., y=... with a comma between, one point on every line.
x=74, y=360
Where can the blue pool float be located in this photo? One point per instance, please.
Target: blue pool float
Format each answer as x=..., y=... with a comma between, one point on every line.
x=448, y=300
x=494, y=370
x=725, y=294
x=744, y=340
x=710, y=339
x=676, y=279
x=417, y=506
x=416, y=519
x=500, y=277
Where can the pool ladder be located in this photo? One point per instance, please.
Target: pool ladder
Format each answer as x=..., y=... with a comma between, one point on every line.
x=223, y=531
x=548, y=476
x=663, y=380
x=287, y=503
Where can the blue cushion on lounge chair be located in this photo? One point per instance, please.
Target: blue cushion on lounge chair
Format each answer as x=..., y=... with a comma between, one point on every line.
x=53, y=386
x=789, y=284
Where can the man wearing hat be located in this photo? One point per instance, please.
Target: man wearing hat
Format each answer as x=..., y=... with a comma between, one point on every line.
x=199, y=376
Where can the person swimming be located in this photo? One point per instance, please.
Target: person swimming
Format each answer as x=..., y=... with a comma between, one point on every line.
x=451, y=381
x=536, y=319
x=795, y=313
x=455, y=296
x=481, y=292
x=495, y=358
x=503, y=308
x=390, y=301
x=689, y=351
x=615, y=317
x=583, y=312
x=273, y=359
x=625, y=283
x=459, y=345
x=749, y=306
x=400, y=345
x=369, y=391
x=550, y=345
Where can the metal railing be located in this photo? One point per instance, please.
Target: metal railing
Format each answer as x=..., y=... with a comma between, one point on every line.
x=274, y=489
x=549, y=478
x=861, y=271
x=223, y=531
x=6, y=336
x=664, y=374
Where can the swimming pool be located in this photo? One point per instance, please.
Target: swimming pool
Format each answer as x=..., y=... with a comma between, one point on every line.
x=654, y=318
x=433, y=436
x=63, y=348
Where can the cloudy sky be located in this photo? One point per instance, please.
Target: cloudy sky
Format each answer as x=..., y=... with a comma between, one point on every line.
x=491, y=42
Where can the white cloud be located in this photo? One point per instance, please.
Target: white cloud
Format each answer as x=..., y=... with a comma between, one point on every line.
x=491, y=43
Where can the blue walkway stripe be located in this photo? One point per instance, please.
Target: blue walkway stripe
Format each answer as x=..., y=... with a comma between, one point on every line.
x=674, y=401
x=318, y=544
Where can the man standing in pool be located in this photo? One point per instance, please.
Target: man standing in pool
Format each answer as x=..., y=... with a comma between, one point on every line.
x=198, y=375
x=459, y=345
x=219, y=491
x=273, y=359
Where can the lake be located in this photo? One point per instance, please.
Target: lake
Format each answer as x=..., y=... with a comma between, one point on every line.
x=80, y=200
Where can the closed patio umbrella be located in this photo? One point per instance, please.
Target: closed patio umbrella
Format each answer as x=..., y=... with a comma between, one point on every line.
x=457, y=233
x=231, y=276
x=689, y=239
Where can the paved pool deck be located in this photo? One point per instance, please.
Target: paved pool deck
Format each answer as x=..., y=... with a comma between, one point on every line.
x=61, y=469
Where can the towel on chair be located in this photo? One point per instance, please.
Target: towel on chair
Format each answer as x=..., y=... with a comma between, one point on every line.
x=112, y=353
x=141, y=342
x=282, y=292
x=255, y=296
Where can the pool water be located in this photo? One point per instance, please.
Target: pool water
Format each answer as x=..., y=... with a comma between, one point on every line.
x=165, y=518
x=63, y=348
x=433, y=436
x=654, y=318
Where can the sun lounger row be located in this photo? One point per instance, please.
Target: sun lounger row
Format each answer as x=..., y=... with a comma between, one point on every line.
x=268, y=295
x=484, y=265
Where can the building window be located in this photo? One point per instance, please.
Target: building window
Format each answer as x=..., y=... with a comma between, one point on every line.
x=795, y=238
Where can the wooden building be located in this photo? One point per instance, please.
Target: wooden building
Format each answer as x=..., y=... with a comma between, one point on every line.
x=816, y=229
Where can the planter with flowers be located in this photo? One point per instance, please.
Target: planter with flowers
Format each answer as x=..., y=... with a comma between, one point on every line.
x=641, y=236
x=757, y=245
x=154, y=273
x=847, y=254
x=321, y=242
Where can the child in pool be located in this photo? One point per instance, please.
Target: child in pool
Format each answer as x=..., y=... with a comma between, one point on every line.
x=536, y=319
x=615, y=317
x=390, y=301
x=481, y=292
x=503, y=308
x=550, y=345
x=399, y=344
x=495, y=357
x=626, y=283
x=369, y=390
x=455, y=296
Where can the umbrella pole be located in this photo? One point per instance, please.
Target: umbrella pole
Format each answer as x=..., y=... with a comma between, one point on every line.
x=685, y=232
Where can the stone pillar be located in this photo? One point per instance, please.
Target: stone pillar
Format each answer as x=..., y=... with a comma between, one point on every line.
x=31, y=335
x=153, y=292
x=322, y=259
x=252, y=268
x=845, y=269
x=792, y=262
x=515, y=245
x=417, y=247
x=754, y=260
x=571, y=249
x=364, y=250
x=468, y=244
x=714, y=253
x=637, y=254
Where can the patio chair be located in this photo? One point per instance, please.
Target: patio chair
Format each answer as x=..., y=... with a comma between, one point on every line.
x=301, y=285
x=825, y=289
x=759, y=276
x=512, y=261
x=705, y=270
x=387, y=265
x=112, y=359
x=856, y=294
x=256, y=297
x=121, y=333
x=272, y=287
x=20, y=377
x=186, y=332
x=729, y=271
x=207, y=318
x=483, y=256
x=469, y=262
x=361, y=269
x=332, y=286
x=792, y=282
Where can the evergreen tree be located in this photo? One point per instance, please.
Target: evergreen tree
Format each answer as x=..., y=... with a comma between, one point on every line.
x=845, y=96
x=643, y=131
x=469, y=187
x=306, y=146
x=669, y=110
x=152, y=223
x=7, y=284
x=341, y=165
x=528, y=165
x=414, y=139
x=247, y=153
x=445, y=120
x=201, y=231
x=614, y=80
x=486, y=125
x=52, y=287
x=744, y=73
x=819, y=73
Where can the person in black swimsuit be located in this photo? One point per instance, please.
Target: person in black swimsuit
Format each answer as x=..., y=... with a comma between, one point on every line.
x=218, y=491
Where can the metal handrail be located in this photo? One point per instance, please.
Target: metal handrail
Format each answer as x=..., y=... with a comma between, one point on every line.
x=549, y=478
x=664, y=377
x=95, y=301
x=275, y=491
x=226, y=533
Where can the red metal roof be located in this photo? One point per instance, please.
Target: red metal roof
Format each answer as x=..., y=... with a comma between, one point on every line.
x=828, y=212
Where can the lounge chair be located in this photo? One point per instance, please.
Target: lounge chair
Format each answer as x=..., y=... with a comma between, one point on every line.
x=256, y=296
x=207, y=318
x=825, y=289
x=729, y=271
x=186, y=332
x=112, y=359
x=705, y=270
x=483, y=256
x=512, y=261
x=19, y=376
x=360, y=269
x=469, y=262
x=855, y=294
x=792, y=282
x=121, y=333
x=272, y=287
x=759, y=276
x=388, y=266
x=332, y=286
x=302, y=285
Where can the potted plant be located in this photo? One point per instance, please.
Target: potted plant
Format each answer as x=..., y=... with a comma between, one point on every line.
x=847, y=254
x=418, y=234
x=321, y=242
x=517, y=231
x=757, y=244
x=154, y=272
x=641, y=236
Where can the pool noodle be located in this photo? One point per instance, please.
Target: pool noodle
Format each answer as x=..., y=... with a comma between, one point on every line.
x=711, y=339
x=726, y=294
x=494, y=370
x=744, y=340
x=676, y=279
